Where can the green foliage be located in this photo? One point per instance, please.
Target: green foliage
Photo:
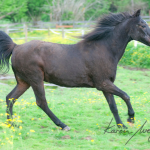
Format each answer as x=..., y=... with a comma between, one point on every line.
x=35, y=9
x=17, y=9
x=136, y=56
x=97, y=10
x=147, y=3
x=67, y=16
x=45, y=18
x=46, y=10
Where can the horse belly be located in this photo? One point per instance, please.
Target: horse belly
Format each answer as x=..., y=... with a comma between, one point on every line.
x=69, y=80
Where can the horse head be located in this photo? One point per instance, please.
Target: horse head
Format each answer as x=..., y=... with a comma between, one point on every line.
x=139, y=30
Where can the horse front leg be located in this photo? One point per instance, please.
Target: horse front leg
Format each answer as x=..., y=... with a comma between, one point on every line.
x=109, y=87
x=112, y=105
x=42, y=103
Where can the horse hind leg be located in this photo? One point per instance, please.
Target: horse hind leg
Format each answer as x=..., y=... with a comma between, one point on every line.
x=42, y=103
x=20, y=88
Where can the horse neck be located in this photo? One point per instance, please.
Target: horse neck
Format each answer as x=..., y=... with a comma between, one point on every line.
x=118, y=42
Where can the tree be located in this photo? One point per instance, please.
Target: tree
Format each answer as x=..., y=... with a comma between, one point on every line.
x=148, y=6
x=35, y=9
x=13, y=10
x=98, y=9
x=131, y=5
x=56, y=10
x=74, y=9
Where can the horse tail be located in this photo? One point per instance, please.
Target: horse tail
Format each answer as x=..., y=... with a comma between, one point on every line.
x=6, y=48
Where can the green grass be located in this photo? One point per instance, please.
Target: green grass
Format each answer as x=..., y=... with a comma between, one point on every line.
x=84, y=110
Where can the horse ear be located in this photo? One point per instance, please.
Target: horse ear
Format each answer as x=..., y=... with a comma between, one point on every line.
x=137, y=13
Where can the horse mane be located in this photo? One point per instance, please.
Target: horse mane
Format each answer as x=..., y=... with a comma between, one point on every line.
x=105, y=26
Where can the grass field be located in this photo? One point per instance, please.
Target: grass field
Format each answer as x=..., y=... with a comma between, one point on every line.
x=84, y=110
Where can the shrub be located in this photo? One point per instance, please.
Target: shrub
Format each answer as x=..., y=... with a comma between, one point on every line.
x=136, y=56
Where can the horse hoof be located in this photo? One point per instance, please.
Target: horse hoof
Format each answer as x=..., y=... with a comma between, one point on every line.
x=66, y=128
x=122, y=126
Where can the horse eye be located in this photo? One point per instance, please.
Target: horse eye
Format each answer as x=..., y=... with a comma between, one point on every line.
x=143, y=26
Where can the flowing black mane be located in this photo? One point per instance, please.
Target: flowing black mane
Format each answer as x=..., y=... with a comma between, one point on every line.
x=105, y=26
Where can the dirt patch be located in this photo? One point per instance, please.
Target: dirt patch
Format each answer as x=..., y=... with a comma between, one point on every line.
x=145, y=74
x=134, y=68
x=44, y=126
x=87, y=138
x=66, y=137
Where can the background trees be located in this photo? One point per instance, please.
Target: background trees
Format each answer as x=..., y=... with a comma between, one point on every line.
x=13, y=10
x=56, y=10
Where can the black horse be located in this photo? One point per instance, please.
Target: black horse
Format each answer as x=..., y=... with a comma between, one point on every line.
x=92, y=62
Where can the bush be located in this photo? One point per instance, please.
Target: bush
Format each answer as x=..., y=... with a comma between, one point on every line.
x=136, y=56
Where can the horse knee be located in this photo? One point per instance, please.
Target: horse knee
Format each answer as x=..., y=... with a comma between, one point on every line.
x=41, y=104
x=38, y=103
x=104, y=86
x=126, y=97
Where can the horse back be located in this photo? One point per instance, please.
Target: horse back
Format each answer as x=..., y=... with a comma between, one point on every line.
x=60, y=64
